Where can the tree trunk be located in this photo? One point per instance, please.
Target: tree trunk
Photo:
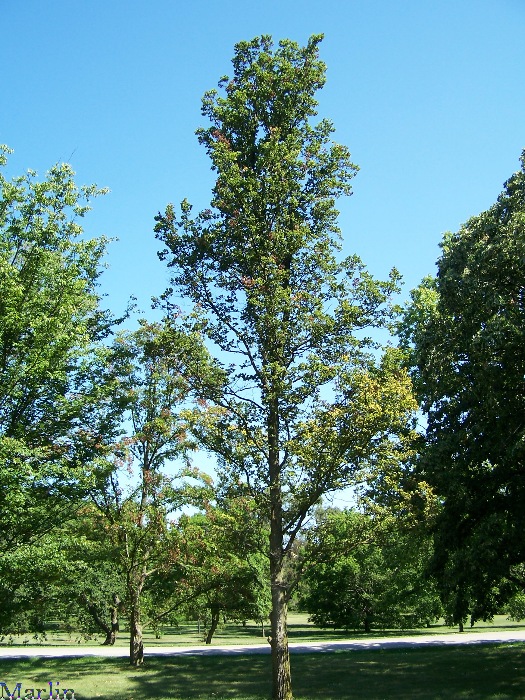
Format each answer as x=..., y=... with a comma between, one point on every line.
x=95, y=614
x=215, y=613
x=368, y=622
x=136, y=644
x=281, y=675
x=115, y=627
x=110, y=638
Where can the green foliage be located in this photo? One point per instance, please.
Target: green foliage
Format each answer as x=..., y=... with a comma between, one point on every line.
x=515, y=607
x=261, y=268
x=224, y=564
x=57, y=579
x=138, y=489
x=359, y=573
x=49, y=308
x=55, y=413
x=464, y=334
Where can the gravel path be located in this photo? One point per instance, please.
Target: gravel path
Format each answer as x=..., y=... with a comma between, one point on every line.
x=295, y=647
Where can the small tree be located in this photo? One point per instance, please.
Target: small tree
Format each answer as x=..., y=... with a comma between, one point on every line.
x=135, y=496
x=359, y=572
x=224, y=559
x=303, y=407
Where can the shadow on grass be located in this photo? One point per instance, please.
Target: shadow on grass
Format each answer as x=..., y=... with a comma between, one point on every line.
x=494, y=672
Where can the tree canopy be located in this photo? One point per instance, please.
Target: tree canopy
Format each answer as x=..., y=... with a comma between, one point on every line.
x=361, y=571
x=139, y=487
x=300, y=408
x=54, y=416
x=465, y=335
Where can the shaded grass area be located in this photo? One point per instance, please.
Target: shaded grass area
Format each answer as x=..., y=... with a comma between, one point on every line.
x=496, y=672
x=300, y=630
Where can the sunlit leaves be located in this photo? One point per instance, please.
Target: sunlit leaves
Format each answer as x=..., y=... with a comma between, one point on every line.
x=362, y=571
x=54, y=417
x=289, y=322
x=261, y=265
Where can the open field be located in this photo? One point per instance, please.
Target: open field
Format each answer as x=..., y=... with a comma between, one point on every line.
x=300, y=630
x=496, y=672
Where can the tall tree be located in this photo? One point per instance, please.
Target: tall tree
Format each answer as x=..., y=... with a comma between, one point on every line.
x=54, y=415
x=301, y=408
x=465, y=335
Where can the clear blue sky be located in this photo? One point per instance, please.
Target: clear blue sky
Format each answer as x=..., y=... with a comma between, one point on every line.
x=428, y=95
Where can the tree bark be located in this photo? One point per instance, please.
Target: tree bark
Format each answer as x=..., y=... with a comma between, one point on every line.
x=215, y=614
x=110, y=638
x=281, y=674
x=111, y=634
x=136, y=644
x=94, y=611
x=368, y=622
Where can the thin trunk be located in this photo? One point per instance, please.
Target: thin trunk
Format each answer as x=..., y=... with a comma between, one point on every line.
x=281, y=675
x=136, y=644
x=111, y=634
x=215, y=613
x=368, y=622
x=136, y=578
x=95, y=614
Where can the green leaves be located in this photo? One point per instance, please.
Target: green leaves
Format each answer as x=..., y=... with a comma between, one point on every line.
x=50, y=325
x=261, y=267
x=287, y=320
x=223, y=561
x=361, y=571
x=464, y=332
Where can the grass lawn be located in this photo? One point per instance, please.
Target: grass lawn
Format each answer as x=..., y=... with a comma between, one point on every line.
x=496, y=672
x=300, y=630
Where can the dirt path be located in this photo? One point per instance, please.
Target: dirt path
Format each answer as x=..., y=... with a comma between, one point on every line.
x=295, y=647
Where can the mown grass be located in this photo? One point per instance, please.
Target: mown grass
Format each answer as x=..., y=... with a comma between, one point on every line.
x=496, y=672
x=300, y=630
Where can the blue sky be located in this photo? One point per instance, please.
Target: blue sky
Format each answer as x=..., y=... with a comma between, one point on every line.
x=429, y=96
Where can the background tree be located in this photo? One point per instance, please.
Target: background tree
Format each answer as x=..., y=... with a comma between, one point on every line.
x=67, y=575
x=56, y=415
x=304, y=406
x=89, y=598
x=224, y=564
x=360, y=573
x=464, y=334
x=138, y=492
